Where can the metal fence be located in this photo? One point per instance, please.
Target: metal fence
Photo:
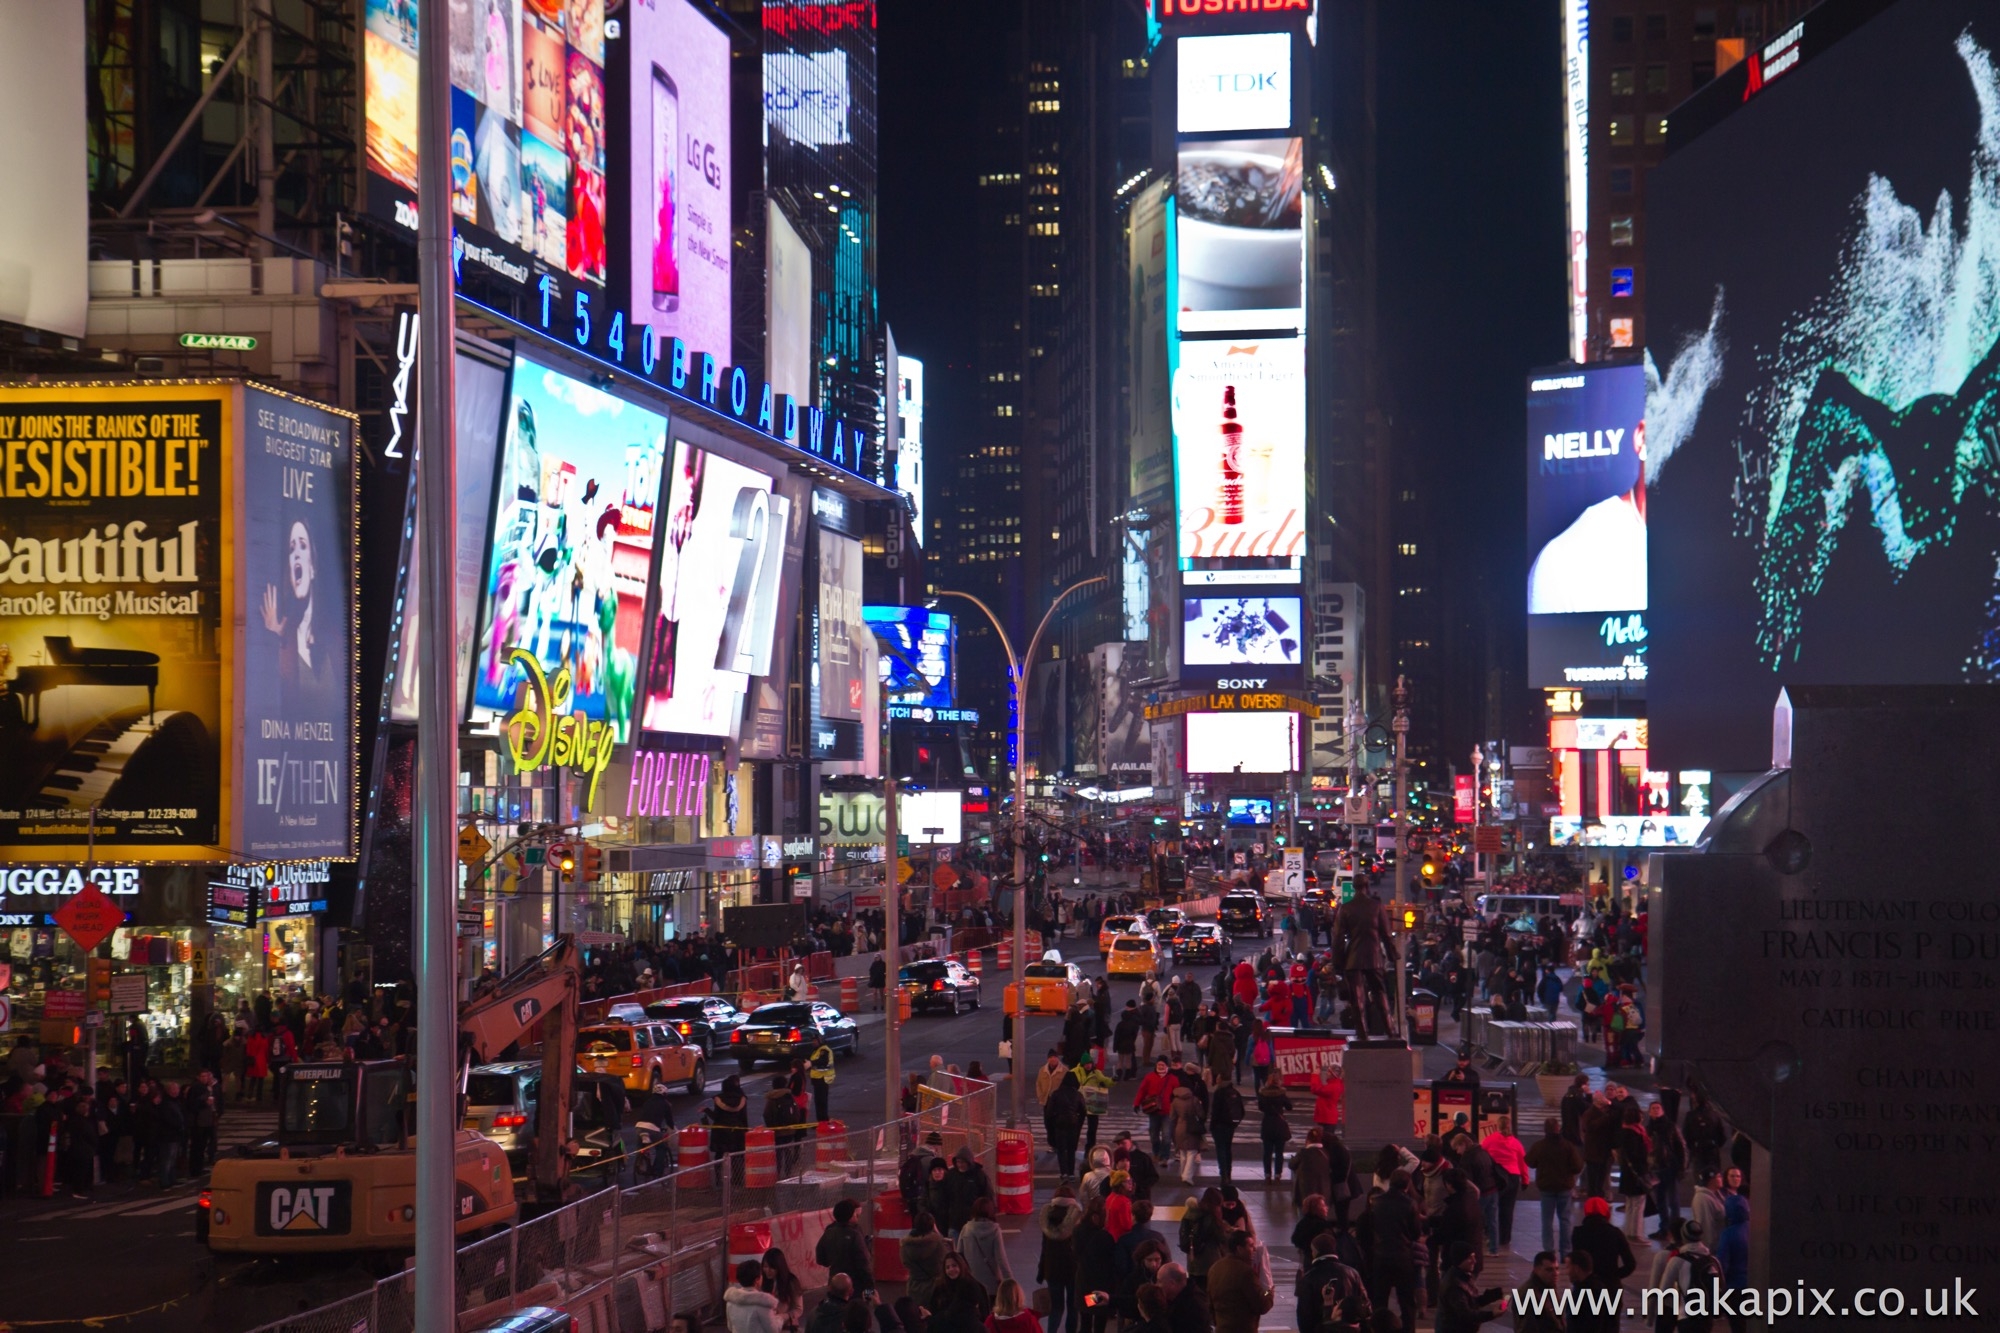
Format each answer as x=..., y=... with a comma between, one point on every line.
x=630, y=1260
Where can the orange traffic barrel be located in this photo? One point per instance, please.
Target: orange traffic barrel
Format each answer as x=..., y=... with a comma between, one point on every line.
x=892, y=1223
x=850, y=994
x=1006, y=963
x=760, y=1160
x=693, y=1141
x=974, y=963
x=1016, y=1184
x=747, y=1241
x=903, y=1004
x=832, y=1142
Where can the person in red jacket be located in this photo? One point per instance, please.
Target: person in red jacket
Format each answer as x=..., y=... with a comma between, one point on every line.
x=1246, y=982
x=1278, y=1003
x=1328, y=1089
x=1155, y=1100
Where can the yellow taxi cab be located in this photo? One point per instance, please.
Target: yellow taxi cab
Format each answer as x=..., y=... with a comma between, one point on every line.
x=1114, y=926
x=639, y=1054
x=1133, y=955
x=1052, y=985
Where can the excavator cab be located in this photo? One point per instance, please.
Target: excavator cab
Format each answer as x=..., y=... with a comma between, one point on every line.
x=362, y=1106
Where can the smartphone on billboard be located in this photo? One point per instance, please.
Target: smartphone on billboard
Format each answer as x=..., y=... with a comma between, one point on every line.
x=666, y=192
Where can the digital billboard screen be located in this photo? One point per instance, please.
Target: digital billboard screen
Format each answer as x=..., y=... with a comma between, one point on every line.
x=1248, y=810
x=919, y=654
x=572, y=542
x=1587, y=526
x=842, y=646
x=1242, y=742
x=1827, y=348
x=1227, y=632
x=1238, y=81
x=677, y=146
x=1239, y=418
x=722, y=557
x=528, y=117
x=1239, y=235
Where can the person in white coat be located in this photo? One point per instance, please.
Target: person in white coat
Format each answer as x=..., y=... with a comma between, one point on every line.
x=749, y=1308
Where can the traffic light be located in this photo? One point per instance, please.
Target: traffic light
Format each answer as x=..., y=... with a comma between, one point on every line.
x=593, y=862
x=1413, y=917
x=563, y=859
x=1428, y=870
x=100, y=980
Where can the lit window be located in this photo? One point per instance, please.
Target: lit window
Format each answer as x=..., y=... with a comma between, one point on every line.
x=1619, y=130
x=1621, y=282
x=1006, y=410
x=1406, y=548
x=1621, y=333
x=1621, y=231
x=1042, y=106
x=1045, y=229
x=1622, y=81
x=1656, y=129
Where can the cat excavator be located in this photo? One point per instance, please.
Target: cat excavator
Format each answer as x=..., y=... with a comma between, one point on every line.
x=341, y=1173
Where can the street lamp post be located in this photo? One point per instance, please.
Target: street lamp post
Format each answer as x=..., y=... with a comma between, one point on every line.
x=1400, y=725
x=1017, y=676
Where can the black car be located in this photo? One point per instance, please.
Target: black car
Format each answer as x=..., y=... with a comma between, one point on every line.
x=784, y=1031
x=941, y=984
x=1243, y=914
x=705, y=1021
x=1201, y=942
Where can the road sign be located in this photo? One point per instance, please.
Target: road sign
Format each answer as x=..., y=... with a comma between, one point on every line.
x=93, y=1018
x=472, y=845
x=89, y=916
x=904, y=870
x=6, y=1014
x=1295, y=870
x=1487, y=840
x=128, y=993
x=62, y=1004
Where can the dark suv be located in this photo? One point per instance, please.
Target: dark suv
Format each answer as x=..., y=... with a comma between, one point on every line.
x=1243, y=914
x=941, y=984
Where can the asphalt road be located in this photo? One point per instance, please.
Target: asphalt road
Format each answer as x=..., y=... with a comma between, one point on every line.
x=127, y=1259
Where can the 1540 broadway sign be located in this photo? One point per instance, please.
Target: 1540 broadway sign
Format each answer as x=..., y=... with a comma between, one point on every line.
x=176, y=650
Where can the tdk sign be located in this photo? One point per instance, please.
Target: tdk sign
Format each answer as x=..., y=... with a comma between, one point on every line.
x=1241, y=81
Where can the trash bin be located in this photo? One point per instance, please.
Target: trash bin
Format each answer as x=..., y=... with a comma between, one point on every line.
x=1423, y=1018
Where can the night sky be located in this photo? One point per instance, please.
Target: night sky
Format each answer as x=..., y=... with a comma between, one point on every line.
x=1470, y=221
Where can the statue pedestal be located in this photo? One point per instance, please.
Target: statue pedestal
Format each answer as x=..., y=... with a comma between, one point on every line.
x=1378, y=1096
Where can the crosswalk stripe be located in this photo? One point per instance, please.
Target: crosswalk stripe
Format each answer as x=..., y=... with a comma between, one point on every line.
x=171, y=1205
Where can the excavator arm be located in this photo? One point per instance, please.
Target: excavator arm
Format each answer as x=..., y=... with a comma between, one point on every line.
x=542, y=990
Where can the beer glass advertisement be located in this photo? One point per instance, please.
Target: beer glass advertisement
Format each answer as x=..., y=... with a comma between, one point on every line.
x=1239, y=415
x=113, y=646
x=572, y=543
x=720, y=565
x=677, y=147
x=295, y=672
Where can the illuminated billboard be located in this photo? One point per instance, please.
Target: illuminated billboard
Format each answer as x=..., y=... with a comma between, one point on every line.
x=910, y=437
x=1587, y=540
x=528, y=117
x=806, y=98
x=919, y=650
x=1240, y=81
x=788, y=307
x=1821, y=507
x=677, y=160
x=843, y=651
x=722, y=556
x=177, y=585
x=932, y=818
x=1239, y=417
x=1150, y=437
x=1242, y=742
x=1229, y=632
x=572, y=541
x=1576, y=169
x=1239, y=234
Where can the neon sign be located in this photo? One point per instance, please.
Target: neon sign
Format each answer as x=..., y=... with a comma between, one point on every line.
x=543, y=733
